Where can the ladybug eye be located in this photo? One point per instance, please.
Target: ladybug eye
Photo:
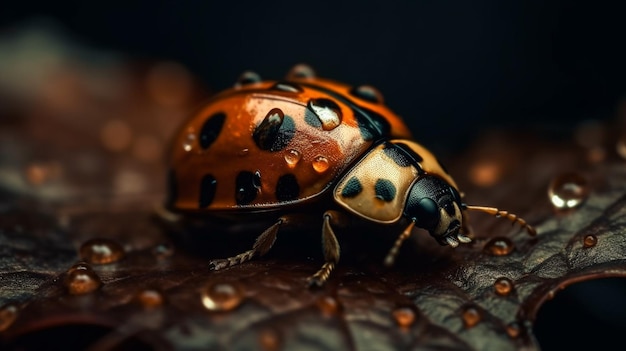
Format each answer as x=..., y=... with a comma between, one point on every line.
x=426, y=213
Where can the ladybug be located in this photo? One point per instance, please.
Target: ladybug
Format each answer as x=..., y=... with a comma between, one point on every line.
x=307, y=144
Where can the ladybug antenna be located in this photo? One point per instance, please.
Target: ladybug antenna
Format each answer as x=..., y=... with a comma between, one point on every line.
x=503, y=214
x=393, y=252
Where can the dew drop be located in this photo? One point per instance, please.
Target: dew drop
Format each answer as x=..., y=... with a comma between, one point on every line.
x=8, y=314
x=101, y=251
x=327, y=111
x=328, y=305
x=568, y=190
x=471, y=316
x=403, y=316
x=269, y=340
x=163, y=251
x=222, y=296
x=243, y=152
x=513, y=329
x=499, y=246
x=590, y=241
x=246, y=78
x=150, y=298
x=189, y=141
x=320, y=164
x=292, y=157
x=503, y=286
x=301, y=71
x=81, y=279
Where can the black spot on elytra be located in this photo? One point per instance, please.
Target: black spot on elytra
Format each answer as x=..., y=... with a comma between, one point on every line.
x=208, y=186
x=311, y=119
x=287, y=188
x=275, y=131
x=385, y=190
x=247, y=187
x=172, y=189
x=287, y=87
x=211, y=129
x=352, y=188
x=371, y=125
x=367, y=93
x=397, y=155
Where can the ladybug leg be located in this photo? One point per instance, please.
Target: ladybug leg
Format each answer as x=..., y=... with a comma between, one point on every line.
x=330, y=246
x=393, y=252
x=261, y=246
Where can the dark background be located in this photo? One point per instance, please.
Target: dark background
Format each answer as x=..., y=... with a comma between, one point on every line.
x=452, y=69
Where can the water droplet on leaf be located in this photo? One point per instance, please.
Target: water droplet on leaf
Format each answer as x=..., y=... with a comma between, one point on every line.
x=101, y=251
x=269, y=340
x=329, y=305
x=81, y=279
x=403, y=316
x=471, y=316
x=163, y=251
x=150, y=298
x=499, y=246
x=222, y=296
x=503, y=286
x=568, y=191
x=590, y=241
x=8, y=314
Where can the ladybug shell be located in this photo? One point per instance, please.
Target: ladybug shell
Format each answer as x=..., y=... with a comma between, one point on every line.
x=267, y=145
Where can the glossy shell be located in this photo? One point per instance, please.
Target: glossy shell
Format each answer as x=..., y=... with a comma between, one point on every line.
x=265, y=145
x=377, y=187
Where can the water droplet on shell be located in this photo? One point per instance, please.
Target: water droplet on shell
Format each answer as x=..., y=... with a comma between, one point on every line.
x=292, y=157
x=320, y=164
x=189, y=141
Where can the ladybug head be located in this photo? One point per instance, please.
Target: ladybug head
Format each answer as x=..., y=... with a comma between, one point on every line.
x=435, y=205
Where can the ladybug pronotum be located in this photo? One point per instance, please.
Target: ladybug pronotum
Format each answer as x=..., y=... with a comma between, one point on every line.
x=282, y=147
